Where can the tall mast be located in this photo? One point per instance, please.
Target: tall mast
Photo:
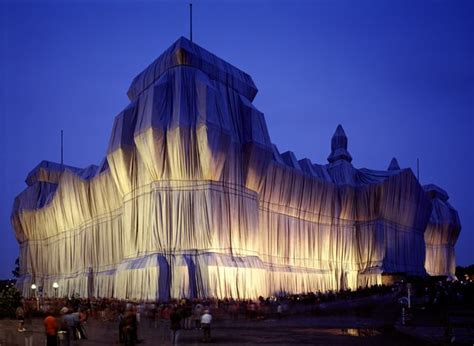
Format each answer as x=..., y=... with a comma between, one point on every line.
x=191, y=22
x=62, y=149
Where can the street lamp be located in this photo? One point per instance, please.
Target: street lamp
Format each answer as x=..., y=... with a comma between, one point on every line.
x=55, y=286
x=33, y=287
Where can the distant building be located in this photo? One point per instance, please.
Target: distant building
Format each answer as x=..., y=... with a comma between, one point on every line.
x=194, y=200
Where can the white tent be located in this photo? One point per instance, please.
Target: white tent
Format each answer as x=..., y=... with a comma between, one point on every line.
x=194, y=200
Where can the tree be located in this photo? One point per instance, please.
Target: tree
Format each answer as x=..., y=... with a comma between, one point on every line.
x=461, y=272
x=10, y=299
x=16, y=271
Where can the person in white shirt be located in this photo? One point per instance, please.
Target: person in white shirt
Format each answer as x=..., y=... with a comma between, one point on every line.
x=206, y=320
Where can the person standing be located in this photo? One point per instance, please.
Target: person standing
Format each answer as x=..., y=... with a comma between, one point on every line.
x=279, y=311
x=51, y=330
x=175, y=326
x=69, y=324
x=80, y=318
x=187, y=315
x=130, y=326
x=121, y=326
x=20, y=316
x=197, y=315
x=206, y=320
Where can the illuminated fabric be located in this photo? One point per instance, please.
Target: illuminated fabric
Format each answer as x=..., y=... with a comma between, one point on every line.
x=441, y=234
x=193, y=200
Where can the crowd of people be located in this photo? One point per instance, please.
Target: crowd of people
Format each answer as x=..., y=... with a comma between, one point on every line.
x=441, y=294
x=66, y=317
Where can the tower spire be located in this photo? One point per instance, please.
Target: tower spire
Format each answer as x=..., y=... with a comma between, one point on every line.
x=394, y=166
x=339, y=146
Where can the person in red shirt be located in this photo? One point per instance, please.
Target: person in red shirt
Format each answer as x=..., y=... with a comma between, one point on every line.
x=51, y=330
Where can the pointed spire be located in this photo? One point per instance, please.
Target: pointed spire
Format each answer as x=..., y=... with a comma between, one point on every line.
x=339, y=146
x=394, y=166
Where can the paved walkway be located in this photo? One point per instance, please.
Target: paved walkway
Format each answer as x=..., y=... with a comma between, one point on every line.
x=338, y=330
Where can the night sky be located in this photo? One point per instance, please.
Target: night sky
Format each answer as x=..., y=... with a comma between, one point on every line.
x=398, y=75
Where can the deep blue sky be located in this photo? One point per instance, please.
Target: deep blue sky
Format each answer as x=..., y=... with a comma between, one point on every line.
x=398, y=75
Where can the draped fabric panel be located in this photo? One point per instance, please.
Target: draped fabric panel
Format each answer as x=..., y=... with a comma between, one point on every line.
x=194, y=200
x=441, y=234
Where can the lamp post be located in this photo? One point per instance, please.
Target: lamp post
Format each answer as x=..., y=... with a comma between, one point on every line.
x=55, y=286
x=34, y=288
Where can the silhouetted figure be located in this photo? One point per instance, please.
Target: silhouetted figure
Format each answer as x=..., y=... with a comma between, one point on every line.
x=130, y=327
x=206, y=320
x=51, y=330
x=175, y=319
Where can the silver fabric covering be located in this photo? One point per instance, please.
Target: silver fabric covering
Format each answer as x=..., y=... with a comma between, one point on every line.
x=194, y=200
x=441, y=234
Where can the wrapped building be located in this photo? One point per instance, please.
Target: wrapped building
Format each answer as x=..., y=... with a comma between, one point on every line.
x=441, y=234
x=194, y=200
